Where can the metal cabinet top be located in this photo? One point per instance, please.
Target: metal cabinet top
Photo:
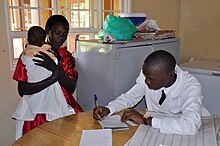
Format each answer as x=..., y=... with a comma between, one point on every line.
x=128, y=43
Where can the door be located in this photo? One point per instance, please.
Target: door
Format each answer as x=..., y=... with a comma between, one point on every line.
x=95, y=65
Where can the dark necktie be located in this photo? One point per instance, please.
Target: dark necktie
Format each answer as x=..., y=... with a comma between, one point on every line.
x=162, y=98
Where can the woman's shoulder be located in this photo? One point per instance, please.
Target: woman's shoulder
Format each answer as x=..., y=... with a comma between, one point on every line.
x=63, y=50
x=64, y=53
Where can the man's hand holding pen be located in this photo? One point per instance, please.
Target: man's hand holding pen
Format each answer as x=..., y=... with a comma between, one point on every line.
x=100, y=112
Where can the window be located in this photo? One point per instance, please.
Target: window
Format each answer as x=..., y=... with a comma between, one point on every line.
x=85, y=17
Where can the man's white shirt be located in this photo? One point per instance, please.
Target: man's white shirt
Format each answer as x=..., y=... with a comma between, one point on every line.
x=183, y=98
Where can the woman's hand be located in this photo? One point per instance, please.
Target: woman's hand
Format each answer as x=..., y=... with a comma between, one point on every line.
x=45, y=61
x=58, y=72
x=48, y=63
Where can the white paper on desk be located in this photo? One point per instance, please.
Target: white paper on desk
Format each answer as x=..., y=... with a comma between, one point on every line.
x=96, y=137
x=113, y=122
x=148, y=136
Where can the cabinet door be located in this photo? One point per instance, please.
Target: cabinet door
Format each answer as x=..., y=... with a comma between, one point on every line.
x=129, y=63
x=172, y=47
x=95, y=66
x=210, y=89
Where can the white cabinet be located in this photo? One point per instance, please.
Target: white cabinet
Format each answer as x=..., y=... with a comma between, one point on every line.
x=208, y=74
x=109, y=70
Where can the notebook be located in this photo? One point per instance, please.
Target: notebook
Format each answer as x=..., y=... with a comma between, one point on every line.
x=113, y=122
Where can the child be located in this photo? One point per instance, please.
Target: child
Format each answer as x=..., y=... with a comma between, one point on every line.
x=36, y=42
x=49, y=101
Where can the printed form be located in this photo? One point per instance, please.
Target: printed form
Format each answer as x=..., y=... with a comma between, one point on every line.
x=148, y=136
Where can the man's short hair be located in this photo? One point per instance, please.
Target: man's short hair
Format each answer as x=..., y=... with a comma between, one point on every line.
x=161, y=59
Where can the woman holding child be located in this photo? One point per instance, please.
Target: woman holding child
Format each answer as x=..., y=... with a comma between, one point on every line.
x=63, y=72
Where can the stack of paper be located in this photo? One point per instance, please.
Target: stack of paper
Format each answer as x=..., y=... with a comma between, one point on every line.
x=158, y=35
x=96, y=137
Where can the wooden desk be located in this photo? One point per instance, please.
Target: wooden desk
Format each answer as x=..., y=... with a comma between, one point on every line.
x=67, y=131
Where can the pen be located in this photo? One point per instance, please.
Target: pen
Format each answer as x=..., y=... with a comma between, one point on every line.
x=95, y=100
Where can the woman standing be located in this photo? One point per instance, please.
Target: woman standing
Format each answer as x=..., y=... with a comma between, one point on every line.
x=57, y=28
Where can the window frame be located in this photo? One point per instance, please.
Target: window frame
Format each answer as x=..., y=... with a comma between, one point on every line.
x=125, y=6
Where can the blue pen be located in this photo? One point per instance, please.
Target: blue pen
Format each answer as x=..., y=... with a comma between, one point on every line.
x=96, y=100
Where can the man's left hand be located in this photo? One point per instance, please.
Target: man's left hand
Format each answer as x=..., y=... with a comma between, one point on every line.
x=132, y=115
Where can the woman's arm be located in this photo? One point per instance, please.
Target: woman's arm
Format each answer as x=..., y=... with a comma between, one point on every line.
x=68, y=83
x=48, y=63
x=25, y=88
x=70, y=79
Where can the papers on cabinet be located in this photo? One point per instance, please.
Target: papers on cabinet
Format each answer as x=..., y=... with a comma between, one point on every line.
x=157, y=35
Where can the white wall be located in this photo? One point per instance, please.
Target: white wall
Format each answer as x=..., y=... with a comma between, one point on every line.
x=8, y=88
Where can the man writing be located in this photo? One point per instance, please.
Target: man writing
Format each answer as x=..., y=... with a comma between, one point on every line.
x=167, y=90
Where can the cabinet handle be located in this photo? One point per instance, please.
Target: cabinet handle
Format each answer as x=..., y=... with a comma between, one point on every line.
x=216, y=73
